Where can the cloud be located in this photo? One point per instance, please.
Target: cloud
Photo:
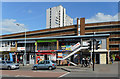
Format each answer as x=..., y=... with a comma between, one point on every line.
x=29, y=11
x=11, y=26
x=101, y=17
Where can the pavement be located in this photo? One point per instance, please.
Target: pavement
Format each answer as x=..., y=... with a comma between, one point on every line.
x=101, y=70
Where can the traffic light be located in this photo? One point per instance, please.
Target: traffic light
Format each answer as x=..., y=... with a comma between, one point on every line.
x=89, y=45
x=97, y=45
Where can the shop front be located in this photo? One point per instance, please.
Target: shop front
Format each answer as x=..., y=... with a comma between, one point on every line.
x=46, y=55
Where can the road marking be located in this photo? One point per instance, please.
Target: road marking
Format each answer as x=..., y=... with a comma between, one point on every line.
x=48, y=71
x=63, y=74
x=22, y=76
x=17, y=75
x=42, y=71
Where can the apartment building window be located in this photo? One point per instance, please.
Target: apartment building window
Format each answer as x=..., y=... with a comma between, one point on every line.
x=50, y=11
x=50, y=14
x=50, y=22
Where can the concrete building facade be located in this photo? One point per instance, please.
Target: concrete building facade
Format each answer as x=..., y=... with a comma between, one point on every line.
x=57, y=17
x=46, y=42
x=112, y=28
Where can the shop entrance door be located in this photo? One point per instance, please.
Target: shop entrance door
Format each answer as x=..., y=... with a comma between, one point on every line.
x=97, y=58
x=45, y=57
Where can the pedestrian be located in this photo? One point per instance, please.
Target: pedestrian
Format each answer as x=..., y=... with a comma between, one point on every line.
x=112, y=60
x=89, y=62
x=17, y=60
x=38, y=60
x=83, y=61
x=86, y=61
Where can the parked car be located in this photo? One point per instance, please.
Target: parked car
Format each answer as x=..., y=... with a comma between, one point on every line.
x=45, y=64
x=8, y=65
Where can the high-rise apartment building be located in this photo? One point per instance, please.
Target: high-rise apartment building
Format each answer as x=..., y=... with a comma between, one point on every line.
x=56, y=17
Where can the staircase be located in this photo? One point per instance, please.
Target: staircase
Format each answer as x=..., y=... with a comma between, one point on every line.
x=72, y=63
x=75, y=51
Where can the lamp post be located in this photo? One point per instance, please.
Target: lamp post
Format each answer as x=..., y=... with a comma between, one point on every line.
x=93, y=51
x=24, y=55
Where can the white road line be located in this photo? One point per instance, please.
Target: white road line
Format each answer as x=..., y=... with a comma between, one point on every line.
x=63, y=74
x=22, y=76
x=48, y=71
x=17, y=76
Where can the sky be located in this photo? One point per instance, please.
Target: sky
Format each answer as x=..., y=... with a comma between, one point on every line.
x=32, y=15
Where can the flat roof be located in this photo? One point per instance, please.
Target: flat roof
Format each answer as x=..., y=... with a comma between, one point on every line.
x=58, y=37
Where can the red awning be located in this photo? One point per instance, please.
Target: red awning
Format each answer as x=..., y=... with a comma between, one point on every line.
x=44, y=53
x=47, y=50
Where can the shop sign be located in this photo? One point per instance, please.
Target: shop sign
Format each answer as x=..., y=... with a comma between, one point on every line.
x=4, y=48
x=62, y=50
x=53, y=57
x=60, y=55
x=85, y=43
x=26, y=41
x=45, y=53
x=75, y=46
x=47, y=50
x=66, y=47
x=21, y=48
x=11, y=57
x=41, y=58
x=46, y=41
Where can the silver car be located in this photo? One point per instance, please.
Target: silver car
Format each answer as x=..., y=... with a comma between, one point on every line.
x=8, y=65
x=45, y=64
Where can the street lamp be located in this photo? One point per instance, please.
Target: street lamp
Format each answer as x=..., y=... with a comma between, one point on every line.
x=24, y=56
x=93, y=51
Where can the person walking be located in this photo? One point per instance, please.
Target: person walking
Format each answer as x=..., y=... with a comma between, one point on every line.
x=112, y=60
x=86, y=61
x=89, y=62
x=83, y=61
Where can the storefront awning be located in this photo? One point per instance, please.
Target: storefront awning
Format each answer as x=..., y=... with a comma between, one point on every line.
x=44, y=53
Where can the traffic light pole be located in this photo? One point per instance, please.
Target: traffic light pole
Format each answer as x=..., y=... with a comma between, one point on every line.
x=93, y=52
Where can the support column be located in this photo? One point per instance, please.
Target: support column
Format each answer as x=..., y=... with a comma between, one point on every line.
x=35, y=51
x=57, y=45
x=16, y=58
x=16, y=46
x=108, y=58
x=35, y=46
x=82, y=26
x=29, y=59
x=78, y=26
x=56, y=52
